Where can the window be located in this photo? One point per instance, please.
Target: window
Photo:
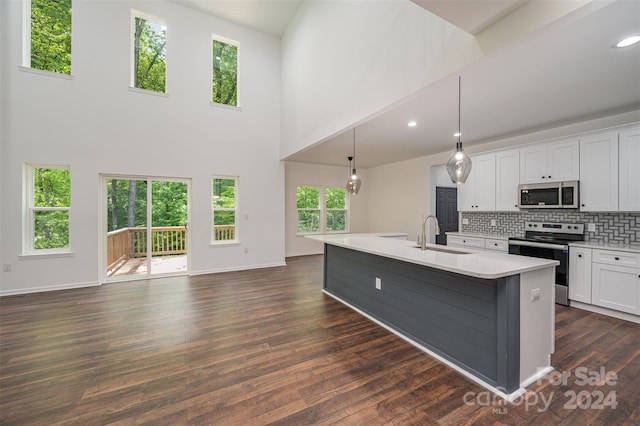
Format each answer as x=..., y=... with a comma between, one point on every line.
x=48, y=199
x=225, y=208
x=48, y=41
x=224, y=88
x=149, y=53
x=321, y=209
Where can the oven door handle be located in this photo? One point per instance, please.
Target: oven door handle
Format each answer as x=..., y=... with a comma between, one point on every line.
x=540, y=245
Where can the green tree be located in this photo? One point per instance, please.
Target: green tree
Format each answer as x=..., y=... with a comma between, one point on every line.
x=51, y=35
x=52, y=190
x=308, y=204
x=149, y=55
x=225, y=73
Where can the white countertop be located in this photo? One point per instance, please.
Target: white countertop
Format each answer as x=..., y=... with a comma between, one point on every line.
x=633, y=248
x=480, y=235
x=481, y=264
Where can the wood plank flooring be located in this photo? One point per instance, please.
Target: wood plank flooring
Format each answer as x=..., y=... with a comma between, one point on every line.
x=268, y=347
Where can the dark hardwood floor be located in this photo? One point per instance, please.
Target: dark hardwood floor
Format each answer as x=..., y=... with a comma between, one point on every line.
x=268, y=347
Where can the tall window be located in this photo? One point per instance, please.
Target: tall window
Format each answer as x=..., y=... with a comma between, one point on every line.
x=321, y=209
x=48, y=46
x=149, y=53
x=224, y=87
x=48, y=201
x=225, y=208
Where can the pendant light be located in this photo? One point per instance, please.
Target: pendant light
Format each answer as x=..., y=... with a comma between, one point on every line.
x=354, y=182
x=459, y=165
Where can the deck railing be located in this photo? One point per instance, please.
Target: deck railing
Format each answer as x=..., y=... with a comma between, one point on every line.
x=126, y=243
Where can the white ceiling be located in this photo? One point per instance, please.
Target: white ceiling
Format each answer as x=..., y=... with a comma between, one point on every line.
x=267, y=16
x=563, y=73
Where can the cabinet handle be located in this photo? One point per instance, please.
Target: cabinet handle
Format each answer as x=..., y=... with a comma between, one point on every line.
x=542, y=177
x=579, y=255
x=549, y=177
x=617, y=258
x=495, y=244
x=581, y=205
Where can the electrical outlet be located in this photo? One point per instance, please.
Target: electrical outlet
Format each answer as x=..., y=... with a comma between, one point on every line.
x=493, y=222
x=465, y=221
x=535, y=294
x=6, y=267
x=378, y=283
x=591, y=227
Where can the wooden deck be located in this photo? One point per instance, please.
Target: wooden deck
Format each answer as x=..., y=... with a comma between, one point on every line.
x=159, y=265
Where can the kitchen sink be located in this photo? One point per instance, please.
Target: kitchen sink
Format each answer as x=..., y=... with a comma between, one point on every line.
x=444, y=250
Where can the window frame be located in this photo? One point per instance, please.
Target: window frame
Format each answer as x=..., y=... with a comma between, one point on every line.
x=135, y=13
x=323, y=211
x=26, y=44
x=29, y=210
x=226, y=40
x=236, y=234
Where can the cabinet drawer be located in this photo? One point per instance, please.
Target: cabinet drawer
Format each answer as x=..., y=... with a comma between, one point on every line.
x=621, y=258
x=498, y=245
x=457, y=240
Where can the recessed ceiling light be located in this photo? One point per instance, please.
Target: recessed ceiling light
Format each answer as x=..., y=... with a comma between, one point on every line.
x=412, y=124
x=456, y=134
x=628, y=41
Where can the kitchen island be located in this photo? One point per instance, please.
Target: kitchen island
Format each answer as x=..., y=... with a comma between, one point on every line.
x=488, y=315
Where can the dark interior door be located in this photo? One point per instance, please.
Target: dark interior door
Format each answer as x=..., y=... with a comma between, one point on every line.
x=447, y=212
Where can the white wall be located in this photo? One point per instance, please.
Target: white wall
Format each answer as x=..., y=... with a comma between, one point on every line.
x=301, y=174
x=96, y=125
x=345, y=60
x=401, y=192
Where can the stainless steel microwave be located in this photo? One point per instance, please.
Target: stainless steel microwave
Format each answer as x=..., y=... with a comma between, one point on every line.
x=549, y=195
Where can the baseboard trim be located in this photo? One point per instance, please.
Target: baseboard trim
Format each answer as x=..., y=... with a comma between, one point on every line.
x=238, y=268
x=606, y=311
x=43, y=289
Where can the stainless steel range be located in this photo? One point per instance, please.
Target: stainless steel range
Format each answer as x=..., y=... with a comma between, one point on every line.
x=550, y=241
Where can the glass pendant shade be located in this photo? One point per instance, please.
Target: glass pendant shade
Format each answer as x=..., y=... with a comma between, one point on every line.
x=459, y=165
x=354, y=182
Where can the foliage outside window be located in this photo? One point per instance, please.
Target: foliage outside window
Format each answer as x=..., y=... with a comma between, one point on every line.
x=225, y=205
x=49, y=203
x=336, y=208
x=50, y=36
x=149, y=54
x=321, y=209
x=225, y=73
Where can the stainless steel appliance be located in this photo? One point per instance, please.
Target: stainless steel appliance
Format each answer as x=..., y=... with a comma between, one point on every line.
x=550, y=241
x=550, y=195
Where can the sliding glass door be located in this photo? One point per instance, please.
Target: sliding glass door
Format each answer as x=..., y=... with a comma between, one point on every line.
x=146, y=226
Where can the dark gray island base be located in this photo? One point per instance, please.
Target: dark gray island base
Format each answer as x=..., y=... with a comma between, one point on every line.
x=473, y=323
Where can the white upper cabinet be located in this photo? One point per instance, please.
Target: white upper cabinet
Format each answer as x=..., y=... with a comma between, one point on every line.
x=479, y=192
x=599, y=172
x=507, y=179
x=550, y=162
x=629, y=170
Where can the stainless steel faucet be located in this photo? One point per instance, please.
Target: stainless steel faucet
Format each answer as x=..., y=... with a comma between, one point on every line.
x=423, y=241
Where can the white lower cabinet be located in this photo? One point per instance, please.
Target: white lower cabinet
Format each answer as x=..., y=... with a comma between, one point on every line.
x=580, y=274
x=466, y=242
x=605, y=278
x=478, y=243
x=613, y=284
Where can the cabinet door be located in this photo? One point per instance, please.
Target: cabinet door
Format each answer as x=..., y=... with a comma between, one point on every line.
x=485, y=182
x=533, y=164
x=467, y=191
x=580, y=274
x=563, y=161
x=599, y=173
x=616, y=287
x=507, y=178
x=629, y=170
